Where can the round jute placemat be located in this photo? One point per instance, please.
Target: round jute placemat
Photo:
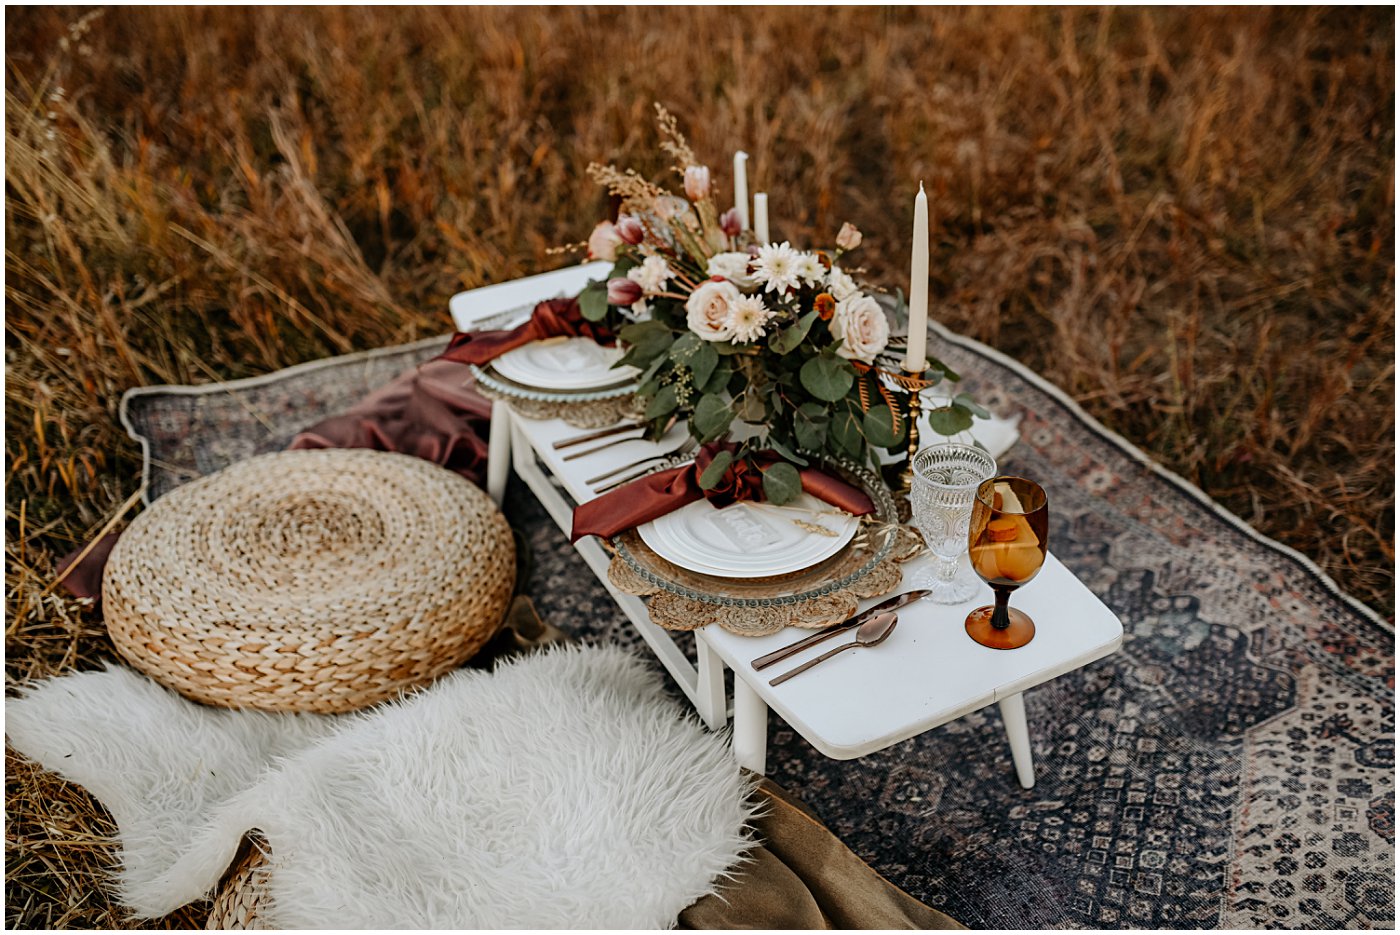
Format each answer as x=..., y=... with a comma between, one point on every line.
x=318, y=581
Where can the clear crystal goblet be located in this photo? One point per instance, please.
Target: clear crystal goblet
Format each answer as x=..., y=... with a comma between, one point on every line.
x=945, y=482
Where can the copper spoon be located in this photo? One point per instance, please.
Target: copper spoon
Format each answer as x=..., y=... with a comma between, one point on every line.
x=871, y=633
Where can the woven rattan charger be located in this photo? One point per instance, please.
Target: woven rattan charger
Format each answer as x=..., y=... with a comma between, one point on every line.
x=586, y=409
x=318, y=581
x=826, y=593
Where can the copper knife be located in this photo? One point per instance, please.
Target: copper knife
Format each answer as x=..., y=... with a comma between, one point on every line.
x=894, y=603
x=601, y=433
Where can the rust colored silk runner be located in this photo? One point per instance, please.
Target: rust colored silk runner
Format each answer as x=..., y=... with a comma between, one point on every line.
x=646, y=498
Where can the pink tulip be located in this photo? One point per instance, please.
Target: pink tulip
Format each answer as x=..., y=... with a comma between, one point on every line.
x=729, y=223
x=697, y=182
x=630, y=229
x=623, y=291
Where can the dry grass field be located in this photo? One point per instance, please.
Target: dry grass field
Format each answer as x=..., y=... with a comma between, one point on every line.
x=1183, y=218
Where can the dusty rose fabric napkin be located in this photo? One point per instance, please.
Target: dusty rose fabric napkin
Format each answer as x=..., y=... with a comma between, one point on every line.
x=431, y=412
x=553, y=318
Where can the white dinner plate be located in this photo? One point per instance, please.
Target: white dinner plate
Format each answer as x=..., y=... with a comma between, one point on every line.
x=746, y=540
x=564, y=364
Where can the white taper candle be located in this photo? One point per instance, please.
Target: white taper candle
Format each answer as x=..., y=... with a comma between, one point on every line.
x=918, y=288
x=760, y=216
x=741, y=187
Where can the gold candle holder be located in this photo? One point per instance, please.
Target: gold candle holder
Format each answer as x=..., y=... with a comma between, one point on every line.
x=913, y=382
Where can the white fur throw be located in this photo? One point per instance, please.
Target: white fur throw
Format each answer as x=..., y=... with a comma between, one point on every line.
x=564, y=790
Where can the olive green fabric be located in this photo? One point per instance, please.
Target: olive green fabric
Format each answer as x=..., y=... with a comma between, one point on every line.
x=802, y=877
x=521, y=631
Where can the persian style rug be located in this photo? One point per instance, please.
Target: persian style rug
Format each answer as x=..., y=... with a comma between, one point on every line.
x=1232, y=766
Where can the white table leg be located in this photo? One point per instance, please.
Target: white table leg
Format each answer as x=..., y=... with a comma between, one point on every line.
x=1013, y=717
x=709, y=689
x=750, y=728
x=498, y=452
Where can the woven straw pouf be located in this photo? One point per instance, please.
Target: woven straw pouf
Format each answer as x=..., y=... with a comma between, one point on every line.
x=310, y=580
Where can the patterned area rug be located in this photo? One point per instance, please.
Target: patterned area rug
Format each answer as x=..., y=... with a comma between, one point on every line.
x=1232, y=766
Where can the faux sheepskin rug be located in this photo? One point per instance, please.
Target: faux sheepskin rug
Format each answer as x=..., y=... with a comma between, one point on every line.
x=562, y=790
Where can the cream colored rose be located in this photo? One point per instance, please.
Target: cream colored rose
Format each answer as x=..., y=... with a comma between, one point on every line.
x=861, y=325
x=707, y=310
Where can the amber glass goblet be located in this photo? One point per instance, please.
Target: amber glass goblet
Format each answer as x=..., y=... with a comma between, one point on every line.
x=1006, y=541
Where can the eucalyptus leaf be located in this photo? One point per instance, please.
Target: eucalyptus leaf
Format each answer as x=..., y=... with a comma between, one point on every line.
x=652, y=370
x=788, y=339
x=879, y=427
x=717, y=381
x=631, y=359
x=967, y=402
x=809, y=425
x=827, y=378
x=782, y=449
x=646, y=339
x=944, y=370
x=663, y=403
x=593, y=301
x=684, y=346
x=782, y=483
x=702, y=364
x=712, y=417
x=637, y=332
x=950, y=420
x=845, y=434
x=811, y=434
x=714, y=472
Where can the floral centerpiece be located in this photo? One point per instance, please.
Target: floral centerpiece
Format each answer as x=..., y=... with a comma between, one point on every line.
x=765, y=345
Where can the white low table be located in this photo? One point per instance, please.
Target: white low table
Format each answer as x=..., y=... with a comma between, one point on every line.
x=927, y=673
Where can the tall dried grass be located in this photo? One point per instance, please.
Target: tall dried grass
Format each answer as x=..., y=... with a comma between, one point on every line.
x=1184, y=218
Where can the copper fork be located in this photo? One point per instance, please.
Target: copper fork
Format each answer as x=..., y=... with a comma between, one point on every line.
x=666, y=459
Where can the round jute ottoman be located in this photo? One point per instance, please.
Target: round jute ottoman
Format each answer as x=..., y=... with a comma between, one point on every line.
x=310, y=580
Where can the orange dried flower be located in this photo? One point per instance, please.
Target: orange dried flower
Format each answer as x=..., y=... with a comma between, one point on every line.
x=825, y=304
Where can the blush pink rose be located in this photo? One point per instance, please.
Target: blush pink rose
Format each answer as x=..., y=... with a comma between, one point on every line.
x=603, y=242
x=707, y=310
x=861, y=325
